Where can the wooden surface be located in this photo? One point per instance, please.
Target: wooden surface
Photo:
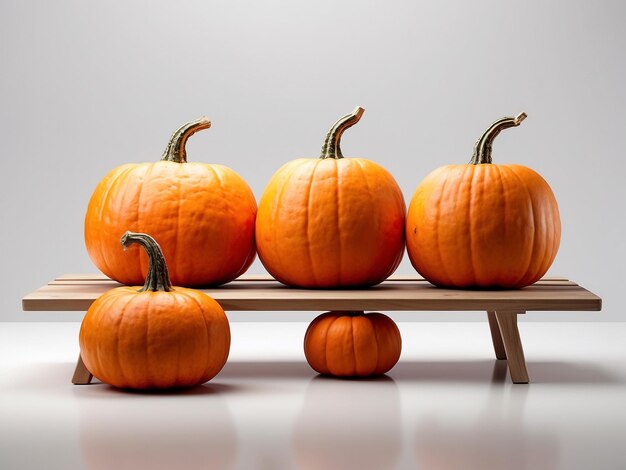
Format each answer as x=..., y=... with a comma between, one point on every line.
x=76, y=292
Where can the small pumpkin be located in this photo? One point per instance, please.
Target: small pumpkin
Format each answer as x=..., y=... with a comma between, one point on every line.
x=202, y=214
x=331, y=221
x=481, y=224
x=352, y=344
x=157, y=336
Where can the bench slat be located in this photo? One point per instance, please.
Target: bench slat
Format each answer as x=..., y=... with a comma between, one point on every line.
x=77, y=292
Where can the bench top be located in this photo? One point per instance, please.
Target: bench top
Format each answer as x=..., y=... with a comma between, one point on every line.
x=76, y=292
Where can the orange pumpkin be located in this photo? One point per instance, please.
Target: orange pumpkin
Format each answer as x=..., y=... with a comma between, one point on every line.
x=481, y=224
x=203, y=216
x=157, y=336
x=331, y=221
x=352, y=344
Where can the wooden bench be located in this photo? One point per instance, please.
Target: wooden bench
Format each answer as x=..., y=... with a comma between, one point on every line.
x=76, y=292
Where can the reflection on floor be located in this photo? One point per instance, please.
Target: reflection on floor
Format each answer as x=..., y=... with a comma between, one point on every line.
x=446, y=405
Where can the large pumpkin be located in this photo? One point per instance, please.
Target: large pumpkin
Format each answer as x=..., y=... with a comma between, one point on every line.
x=352, y=344
x=331, y=221
x=481, y=224
x=157, y=336
x=203, y=216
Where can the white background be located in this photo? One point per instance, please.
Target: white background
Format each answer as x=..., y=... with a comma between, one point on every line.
x=86, y=86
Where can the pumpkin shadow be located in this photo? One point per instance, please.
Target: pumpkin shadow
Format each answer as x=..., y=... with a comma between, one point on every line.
x=191, y=429
x=348, y=423
x=99, y=389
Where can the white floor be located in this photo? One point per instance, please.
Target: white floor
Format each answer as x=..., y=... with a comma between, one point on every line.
x=447, y=405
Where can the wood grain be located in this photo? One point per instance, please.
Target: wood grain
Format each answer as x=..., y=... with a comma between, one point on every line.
x=76, y=292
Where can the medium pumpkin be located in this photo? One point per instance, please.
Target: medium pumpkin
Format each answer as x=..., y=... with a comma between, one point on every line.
x=203, y=216
x=483, y=225
x=331, y=221
x=352, y=344
x=157, y=336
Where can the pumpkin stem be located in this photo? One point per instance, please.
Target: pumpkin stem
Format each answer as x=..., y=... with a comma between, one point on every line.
x=331, y=147
x=175, y=150
x=482, y=147
x=158, y=278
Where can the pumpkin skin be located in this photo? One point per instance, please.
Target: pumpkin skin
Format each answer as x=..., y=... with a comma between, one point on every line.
x=157, y=337
x=352, y=344
x=202, y=214
x=483, y=225
x=332, y=221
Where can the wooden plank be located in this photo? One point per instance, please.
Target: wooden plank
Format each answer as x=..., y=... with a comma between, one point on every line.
x=390, y=296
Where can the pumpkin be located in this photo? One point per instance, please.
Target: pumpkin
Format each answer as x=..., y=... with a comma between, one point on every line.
x=331, y=221
x=157, y=336
x=481, y=224
x=352, y=344
x=203, y=216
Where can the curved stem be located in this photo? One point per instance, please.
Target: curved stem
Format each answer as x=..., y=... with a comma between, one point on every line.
x=158, y=278
x=175, y=150
x=482, y=147
x=331, y=147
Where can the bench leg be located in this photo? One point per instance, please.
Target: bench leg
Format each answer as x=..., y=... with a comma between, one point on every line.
x=507, y=322
x=81, y=375
x=496, y=337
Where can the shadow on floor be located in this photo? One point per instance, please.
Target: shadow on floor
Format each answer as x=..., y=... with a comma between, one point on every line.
x=98, y=389
x=571, y=372
x=496, y=371
x=553, y=372
x=57, y=376
x=34, y=374
x=267, y=370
